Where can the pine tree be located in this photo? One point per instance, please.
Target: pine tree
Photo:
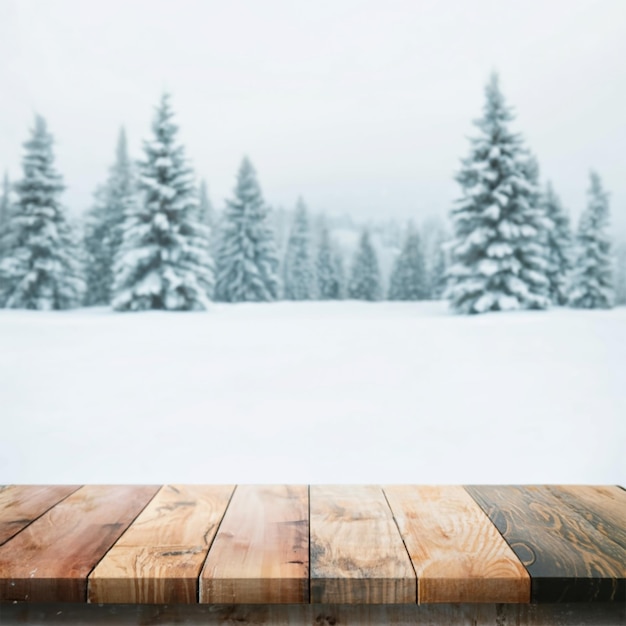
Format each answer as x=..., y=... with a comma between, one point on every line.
x=5, y=202
x=365, y=281
x=408, y=277
x=592, y=281
x=340, y=272
x=499, y=256
x=163, y=260
x=247, y=262
x=620, y=273
x=328, y=268
x=433, y=237
x=40, y=268
x=559, y=241
x=103, y=228
x=206, y=214
x=298, y=269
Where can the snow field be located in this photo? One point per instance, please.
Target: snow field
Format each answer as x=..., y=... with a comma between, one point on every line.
x=339, y=392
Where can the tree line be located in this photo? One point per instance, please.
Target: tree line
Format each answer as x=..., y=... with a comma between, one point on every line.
x=152, y=240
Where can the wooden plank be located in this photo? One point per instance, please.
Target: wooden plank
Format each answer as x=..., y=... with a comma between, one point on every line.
x=159, y=558
x=51, y=559
x=603, y=507
x=567, y=558
x=261, y=552
x=22, y=504
x=357, y=553
x=457, y=553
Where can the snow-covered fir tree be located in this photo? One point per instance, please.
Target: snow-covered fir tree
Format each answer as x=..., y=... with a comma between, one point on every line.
x=340, y=271
x=408, y=279
x=163, y=260
x=591, y=285
x=620, y=273
x=328, y=268
x=246, y=263
x=206, y=214
x=559, y=240
x=5, y=202
x=298, y=266
x=433, y=236
x=103, y=225
x=365, y=280
x=40, y=268
x=498, y=252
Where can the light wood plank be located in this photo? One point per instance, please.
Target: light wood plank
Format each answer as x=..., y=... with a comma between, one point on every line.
x=49, y=561
x=159, y=558
x=261, y=552
x=22, y=504
x=567, y=558
x=357, y=554
x=457, y=553
x=604, y=507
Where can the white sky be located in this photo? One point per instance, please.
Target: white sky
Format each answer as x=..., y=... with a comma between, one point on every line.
x=361, y=107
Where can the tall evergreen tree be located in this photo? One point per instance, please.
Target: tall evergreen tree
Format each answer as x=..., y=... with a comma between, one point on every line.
x=499, y=256
x=340, y=271
x=298, y=269
x=5, y=202
x=103, y=228
x=559, y=240
x=206, y=214
x=328, y=268
x=433, y=237
x=246, y=263
x=365, y=281
x=40, y=268
x=620, y=273
x=408, y=277
x=592, y=280
x=163, y=260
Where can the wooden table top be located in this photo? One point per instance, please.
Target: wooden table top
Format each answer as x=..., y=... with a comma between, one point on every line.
x=328, y=544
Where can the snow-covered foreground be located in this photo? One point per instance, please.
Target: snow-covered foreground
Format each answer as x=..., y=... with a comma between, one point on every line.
x=313, y=392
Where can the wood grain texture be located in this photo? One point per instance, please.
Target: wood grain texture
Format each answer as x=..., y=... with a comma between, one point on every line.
x=51, y=559
x=261, y=552
x=22, y=504
x=159, y=558
x=603, y=507
x=457, y=553
x=567, y=558
x=357, y=553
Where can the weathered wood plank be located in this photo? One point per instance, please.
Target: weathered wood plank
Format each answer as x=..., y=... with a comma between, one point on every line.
x=457, y=553
x=357, y=554
x=261, y=552
x=159, y=558
x=50, y=559
x=567, y=558
x=603, y=507
x=22, y=504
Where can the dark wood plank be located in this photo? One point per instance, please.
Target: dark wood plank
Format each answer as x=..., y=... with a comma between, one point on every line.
x=457, y=553
x=357, y=553
x=603, y=507
x=51, y=559
x=563, y=614
x=159, y=558
x=22, y=504
x=567, y=558
x=261, y=552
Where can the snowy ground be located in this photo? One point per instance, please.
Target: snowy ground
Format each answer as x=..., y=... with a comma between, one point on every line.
x=315, y=392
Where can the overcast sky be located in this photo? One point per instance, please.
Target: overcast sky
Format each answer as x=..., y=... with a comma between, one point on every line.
x=362, y=107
